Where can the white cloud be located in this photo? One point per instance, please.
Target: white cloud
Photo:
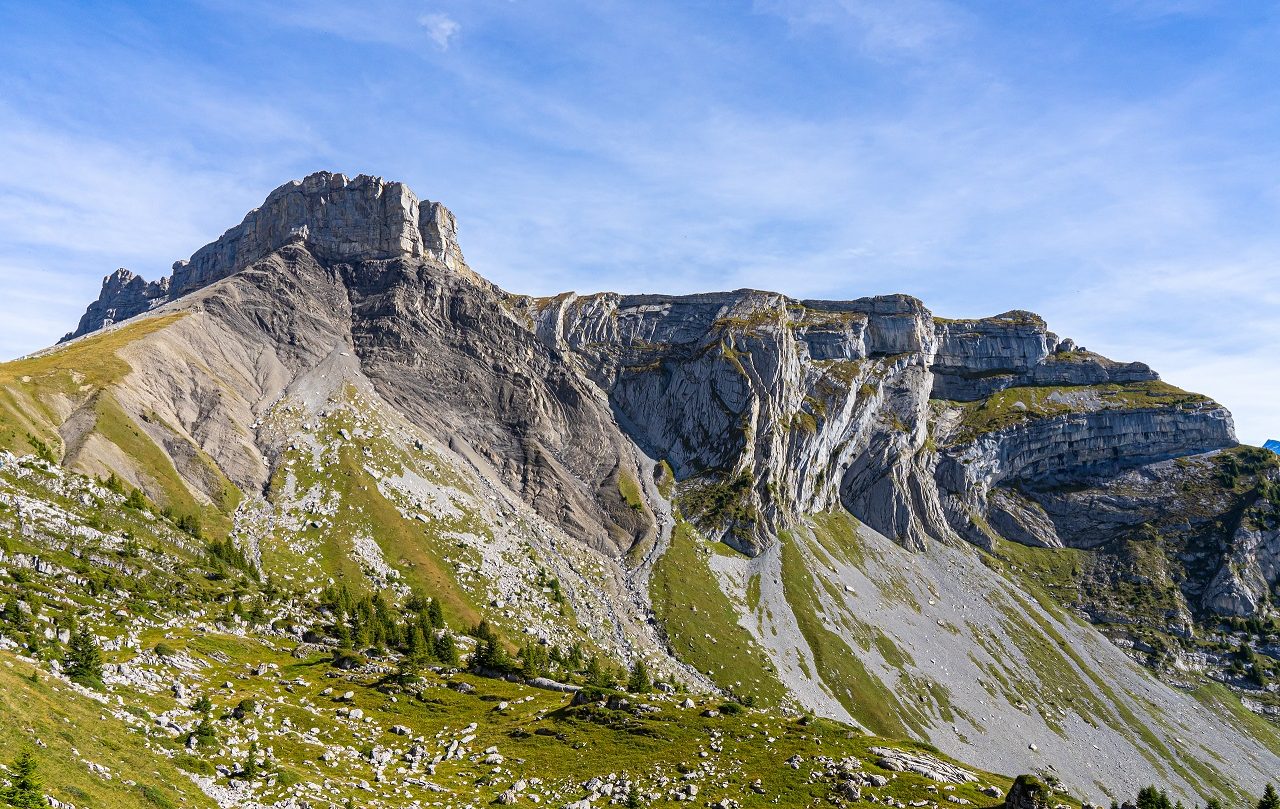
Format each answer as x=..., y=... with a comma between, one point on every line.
x=441, y=28
x=902, y=26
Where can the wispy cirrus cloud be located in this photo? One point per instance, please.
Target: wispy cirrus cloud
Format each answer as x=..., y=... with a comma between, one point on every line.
x=441, y=28
x=905, y=26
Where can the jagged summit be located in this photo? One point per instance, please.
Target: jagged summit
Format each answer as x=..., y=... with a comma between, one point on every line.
x=339, y=219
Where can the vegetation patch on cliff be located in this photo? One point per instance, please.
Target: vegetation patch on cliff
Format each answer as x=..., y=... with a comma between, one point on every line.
x=1012, y=406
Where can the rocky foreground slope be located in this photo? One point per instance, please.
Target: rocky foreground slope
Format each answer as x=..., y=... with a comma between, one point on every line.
x=853, y=508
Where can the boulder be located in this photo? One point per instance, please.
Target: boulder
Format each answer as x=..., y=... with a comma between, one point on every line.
x=1027, y=792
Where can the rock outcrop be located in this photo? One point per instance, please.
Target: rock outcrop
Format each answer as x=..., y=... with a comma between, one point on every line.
x=124, y=295
x=1027, y=792
x=340, y=220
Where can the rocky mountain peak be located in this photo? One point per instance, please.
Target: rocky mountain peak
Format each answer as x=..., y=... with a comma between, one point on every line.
x=339, y=219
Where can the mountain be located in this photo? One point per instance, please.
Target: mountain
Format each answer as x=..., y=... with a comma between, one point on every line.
x=969, y=533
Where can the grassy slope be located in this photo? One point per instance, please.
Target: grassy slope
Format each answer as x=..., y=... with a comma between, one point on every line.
x=416, y=549
x=702, y=623
x=537, y=733
x=75, y=729
x=33, y=390
x=73, y=372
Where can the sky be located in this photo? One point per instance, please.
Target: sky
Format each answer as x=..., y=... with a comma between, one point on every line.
x=1113, y=165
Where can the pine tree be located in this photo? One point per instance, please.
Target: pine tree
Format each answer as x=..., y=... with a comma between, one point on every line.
x=638, y=682
x=1152, y=798
x=417, y=601
x=416, y=648
x=84, y=661
x=135, y=500
x=435, y=614
x=598, y=674
x=445, y=649
x=1213, y=803
x=204, y=733
x=251, y=768
x=1269, y=799
x=25, y=790
x=13, y=614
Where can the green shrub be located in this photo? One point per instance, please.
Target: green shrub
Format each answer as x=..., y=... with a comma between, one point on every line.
x=194, y=765
x=155, y=797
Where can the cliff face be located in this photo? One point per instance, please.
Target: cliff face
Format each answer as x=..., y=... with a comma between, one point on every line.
x=767, y=408
x=907, y=421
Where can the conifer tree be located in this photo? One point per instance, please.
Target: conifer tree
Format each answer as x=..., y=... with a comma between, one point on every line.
x=26, y=789
x=84, y=660
x=435, y=614
x=251, y=768
x=593, y=671
x=1269, y=799
x=135, y=500
x=445, y=649
x=416, y=648
x=533, y=660
x=1151, y=798
x=639, y=682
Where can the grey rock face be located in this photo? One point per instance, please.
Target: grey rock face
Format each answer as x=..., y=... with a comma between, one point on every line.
x=339, y=220
x=977, y=358
x=124, y=295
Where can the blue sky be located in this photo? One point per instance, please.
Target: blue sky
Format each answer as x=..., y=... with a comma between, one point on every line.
x=1113, y=164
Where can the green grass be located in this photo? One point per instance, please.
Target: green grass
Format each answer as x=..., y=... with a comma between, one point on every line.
x=33, y=390
x=702, y=623
x=863, y=695
x=51, y=713
x=411, y=546
x=539, y=735
x=629, y=488
x=152, y=464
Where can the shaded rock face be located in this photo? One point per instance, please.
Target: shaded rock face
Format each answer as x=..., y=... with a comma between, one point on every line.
x=767, y=408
